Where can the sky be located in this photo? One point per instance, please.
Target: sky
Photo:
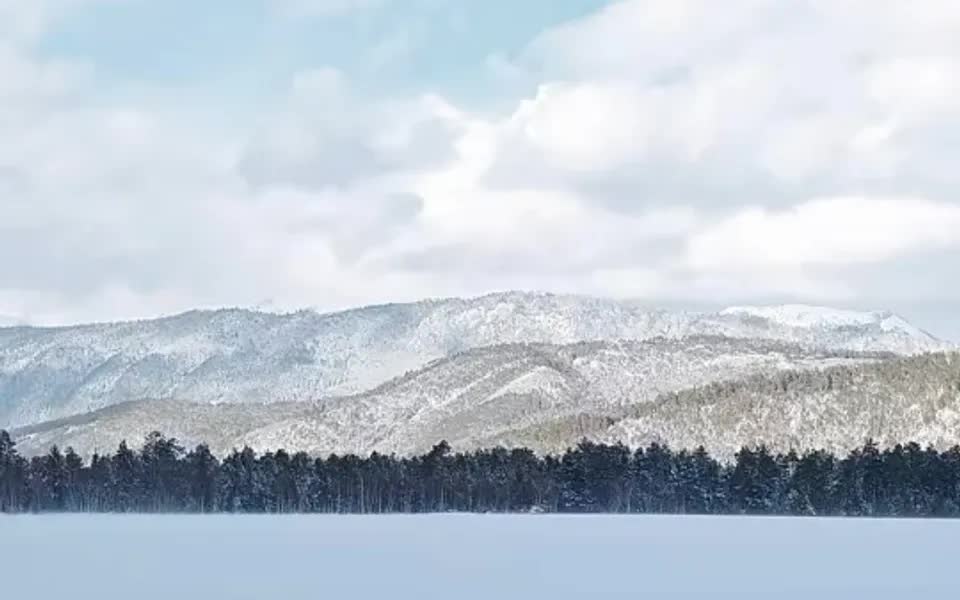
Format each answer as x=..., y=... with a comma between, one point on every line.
x=162, y=156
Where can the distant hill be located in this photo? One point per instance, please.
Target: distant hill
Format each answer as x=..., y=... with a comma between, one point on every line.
x=240, y=356
x=909, y=399
x=472, y=399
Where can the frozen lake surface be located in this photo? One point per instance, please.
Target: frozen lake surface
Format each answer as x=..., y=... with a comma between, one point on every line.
x=475, y=557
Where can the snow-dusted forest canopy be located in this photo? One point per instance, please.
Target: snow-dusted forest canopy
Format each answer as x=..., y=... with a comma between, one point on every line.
x=905, y=481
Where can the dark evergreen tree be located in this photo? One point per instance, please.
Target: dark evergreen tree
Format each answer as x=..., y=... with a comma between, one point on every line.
x=812, y=487
x=75, y=481
x=126, y=481
x=13, y=476
x=201, y=480
x=905, y=480
x=700, y=483
x=48, y=482
x=655, y=480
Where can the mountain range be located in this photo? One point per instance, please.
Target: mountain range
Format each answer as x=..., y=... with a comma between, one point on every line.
x=514, y=368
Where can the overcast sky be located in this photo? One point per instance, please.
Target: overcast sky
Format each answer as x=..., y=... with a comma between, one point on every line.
x=157, y=156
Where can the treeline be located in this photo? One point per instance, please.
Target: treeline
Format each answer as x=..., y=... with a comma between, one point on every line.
x=905, y=481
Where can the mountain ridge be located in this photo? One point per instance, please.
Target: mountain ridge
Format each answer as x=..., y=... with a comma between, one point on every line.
x=477, y=394
x=759, y=310
x=245, y=356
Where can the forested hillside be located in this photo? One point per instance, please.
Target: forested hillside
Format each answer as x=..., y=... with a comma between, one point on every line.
x=242, y=356
x=907, y=399
x=906, y=480
x=468, y=399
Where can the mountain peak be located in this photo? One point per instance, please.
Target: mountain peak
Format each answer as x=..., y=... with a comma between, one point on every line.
x=235, y=355
x=809, y=316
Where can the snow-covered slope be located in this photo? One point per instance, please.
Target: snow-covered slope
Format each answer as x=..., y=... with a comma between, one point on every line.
x=468, y=399
x=246, y=356
x=478, y=395
x=915, y=399
x=818, y=317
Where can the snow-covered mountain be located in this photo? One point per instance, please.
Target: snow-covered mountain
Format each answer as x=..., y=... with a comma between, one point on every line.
x=818, y=317
x=914, y=399
x=8, y=321
x=241, y=356
x=471, y=399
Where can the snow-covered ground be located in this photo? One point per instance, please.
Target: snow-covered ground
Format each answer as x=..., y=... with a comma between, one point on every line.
x=476, y=557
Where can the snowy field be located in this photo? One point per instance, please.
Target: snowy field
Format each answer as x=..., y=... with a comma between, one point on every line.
x=475, y=557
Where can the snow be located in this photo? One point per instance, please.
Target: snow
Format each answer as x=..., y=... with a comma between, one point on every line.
x=8, y=321
x=805, y=316
x=476, y=557
x=245, y=356
x=472, y=399
x=539, y=379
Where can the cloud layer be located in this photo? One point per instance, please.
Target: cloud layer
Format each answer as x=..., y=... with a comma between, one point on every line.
x=682, y=152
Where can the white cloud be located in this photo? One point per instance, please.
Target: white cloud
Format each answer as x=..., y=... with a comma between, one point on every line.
x=916, y=85
x=825, y=94
x=584, y=127
x=325, y=136
x=652, y=37
x=23, y=21
x=830, y=232
x=677, y=150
